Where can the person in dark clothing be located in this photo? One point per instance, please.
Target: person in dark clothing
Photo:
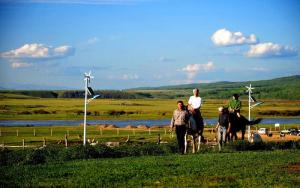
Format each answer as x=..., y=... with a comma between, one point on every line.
x=223, y=126
x=180, y=121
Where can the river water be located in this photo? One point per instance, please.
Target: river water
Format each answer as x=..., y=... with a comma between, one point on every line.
x=123, y=123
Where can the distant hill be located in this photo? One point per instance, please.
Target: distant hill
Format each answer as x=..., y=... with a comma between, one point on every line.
x=22, y=86
x=279, y=88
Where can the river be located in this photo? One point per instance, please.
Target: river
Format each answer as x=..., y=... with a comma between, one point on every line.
x=123, y=123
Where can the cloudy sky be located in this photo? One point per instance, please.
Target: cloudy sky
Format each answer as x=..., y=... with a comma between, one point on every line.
x=138, y=43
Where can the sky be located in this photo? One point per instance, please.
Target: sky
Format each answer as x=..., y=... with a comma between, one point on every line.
x=141, y=43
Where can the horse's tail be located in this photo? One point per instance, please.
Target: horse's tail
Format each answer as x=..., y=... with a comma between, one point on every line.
x=256, y=121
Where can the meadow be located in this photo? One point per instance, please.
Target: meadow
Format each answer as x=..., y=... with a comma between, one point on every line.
x=233, y=169
x=72, y=109
x=275, y=163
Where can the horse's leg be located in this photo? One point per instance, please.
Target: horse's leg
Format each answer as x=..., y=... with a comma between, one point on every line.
x=232, y=136
x=199, y=142
x=194, y=144
x=235, y=136
x=220, y=135
x=243, y=134
x=185, y=143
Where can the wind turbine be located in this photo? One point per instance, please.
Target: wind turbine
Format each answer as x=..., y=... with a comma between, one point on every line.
x=251, y=99
x=88, y=91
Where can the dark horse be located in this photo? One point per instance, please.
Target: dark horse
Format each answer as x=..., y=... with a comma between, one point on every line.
x=195, y=130
x=239, y=124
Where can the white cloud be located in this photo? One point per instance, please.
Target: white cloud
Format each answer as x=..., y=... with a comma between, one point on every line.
x=16, y=65
x=224, y=37
x=176, y=82
x=193, y=69
x=157, y=76
x=29, y=53
x=129, y=77
x=38, y=51
x=260, y=69
x=93, y=40
x=271, y=50
x=166, y=59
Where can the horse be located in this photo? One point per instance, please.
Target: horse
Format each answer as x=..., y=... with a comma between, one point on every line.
x=239, y=124
x=195, y=131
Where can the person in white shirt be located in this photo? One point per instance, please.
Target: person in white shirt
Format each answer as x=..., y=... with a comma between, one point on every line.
x=194, y=105
x=195, y=101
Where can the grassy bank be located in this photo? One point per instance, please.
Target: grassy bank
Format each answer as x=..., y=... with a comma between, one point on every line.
x=279, y=168
x=47, y=109
x=35, y=136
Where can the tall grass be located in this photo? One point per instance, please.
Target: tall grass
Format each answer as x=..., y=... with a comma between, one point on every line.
x=239, y=169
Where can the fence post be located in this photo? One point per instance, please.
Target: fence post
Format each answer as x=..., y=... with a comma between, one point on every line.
x=101, y=131
x=66, y=141
x=44, y=142
x=34, y=132
x=23, y=143
x=128, y=139
x=149, y=131
x=51, y=132
x=165, y=131
x=17, y=132
x=158, y=139
x=118, y=131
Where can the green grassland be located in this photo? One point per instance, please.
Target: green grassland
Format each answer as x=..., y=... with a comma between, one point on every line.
x=278, y=88
x=72, y=109
x=34, y=136
x=279, y=168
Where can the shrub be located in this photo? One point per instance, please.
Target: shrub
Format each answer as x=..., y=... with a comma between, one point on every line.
x=55, y=153
x=77, y=152
x=41, y=111
x=115, y=112
x=24, y=113
x=79, y=112
x=245, y=145
x=36, y=156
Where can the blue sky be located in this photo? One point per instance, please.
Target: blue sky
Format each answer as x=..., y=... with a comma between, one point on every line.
x=137, y=43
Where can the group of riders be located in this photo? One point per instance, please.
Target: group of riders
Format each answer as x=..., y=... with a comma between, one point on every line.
x=184, y=116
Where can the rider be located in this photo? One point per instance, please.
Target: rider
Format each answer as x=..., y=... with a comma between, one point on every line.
x=235, y=105
x=194, y=105
x=180, y=121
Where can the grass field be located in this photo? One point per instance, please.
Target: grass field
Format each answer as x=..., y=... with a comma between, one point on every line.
x=49, y=109
x=34, y=136
x=279, y=168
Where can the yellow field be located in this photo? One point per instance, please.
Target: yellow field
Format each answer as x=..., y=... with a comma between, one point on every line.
x=48, y=109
